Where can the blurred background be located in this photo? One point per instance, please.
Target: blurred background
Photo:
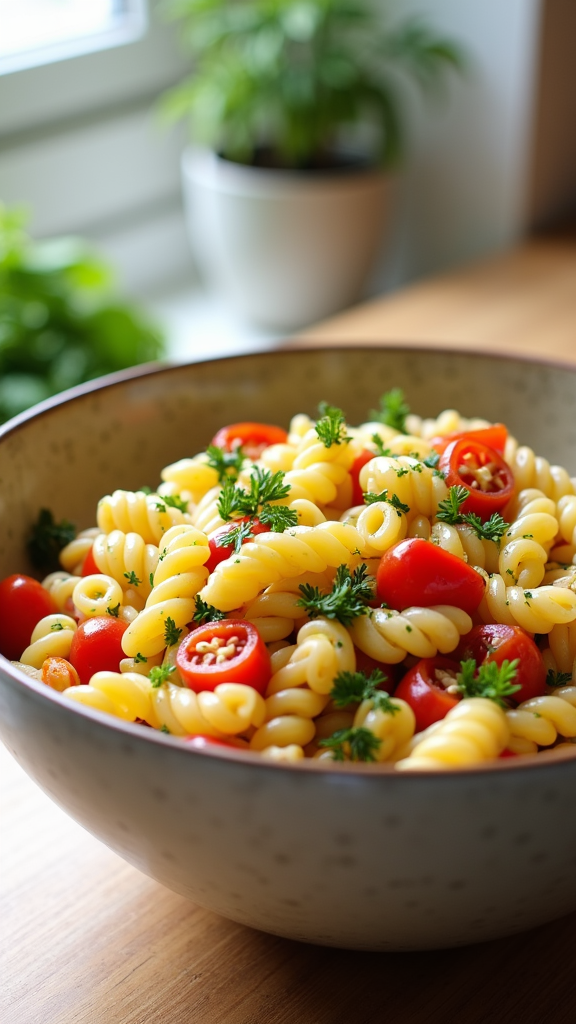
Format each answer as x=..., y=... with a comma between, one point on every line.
x=86, y=150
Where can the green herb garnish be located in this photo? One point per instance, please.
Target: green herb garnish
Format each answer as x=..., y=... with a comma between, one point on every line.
x=345, y=601
x=132, y=579
x=352, y=745
x=114, y=611
x=354, y=687
x=227, y=464
x=175, y=501
x=393, y=410
x=140, y=659
x=46, y=540
x=205, y=612
x=495, y=682
x=555, y=679
x=331, y=427
x=370, y=498
x=171, y=632
x=160, y=674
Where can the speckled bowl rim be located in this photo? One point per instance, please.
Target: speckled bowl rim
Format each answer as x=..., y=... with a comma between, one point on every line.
x=524, y=764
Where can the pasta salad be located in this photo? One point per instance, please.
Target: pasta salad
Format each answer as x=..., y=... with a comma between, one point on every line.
x=399, y=592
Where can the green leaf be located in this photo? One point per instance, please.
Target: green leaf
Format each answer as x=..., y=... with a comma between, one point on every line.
x=331, y=427
x=495, y=682
x=345, y=601
x=356, y=744
x=393, y=410
x=46, y=540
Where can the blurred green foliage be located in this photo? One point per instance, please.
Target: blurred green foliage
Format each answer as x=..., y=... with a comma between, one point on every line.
x=276, y=81
x=59, y=324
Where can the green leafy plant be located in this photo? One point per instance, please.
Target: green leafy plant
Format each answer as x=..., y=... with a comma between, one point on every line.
x=59, y=322
x=278, y=82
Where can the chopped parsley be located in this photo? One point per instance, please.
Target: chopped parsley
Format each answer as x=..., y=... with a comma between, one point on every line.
x=354, y=687
x=449, y=512
x=114, y=611
x=228, y=465
x=175, y=501
x=205, y=612
x=331, y=427
x=370, y=498
x=132, y=579
x=431, y=460
x=345, y=601
x=171, y=632
x=46, y=540
x=495, y=682
x=380, y=448
x=160, y=674
x=393, y=410
x=352, y=745
x=151, y=579
x=140, y=659
x=56, y=627
x=554, y=679
x=254, y=504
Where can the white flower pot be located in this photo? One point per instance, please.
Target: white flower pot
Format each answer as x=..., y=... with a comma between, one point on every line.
x=286, y=247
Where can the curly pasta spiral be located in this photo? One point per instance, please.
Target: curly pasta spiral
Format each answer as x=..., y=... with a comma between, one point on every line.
x=189, y=478
x=394, y=730
x=562, y=640
x=537, y=610
x=475, y=730
x=448, y=422
x=72, y=556
x=125, y=556
x=275, y=611
x=177, y=580
x=414, y=483
x=137, y=512
x=125, y=695
x=51, y=638
x=323, y=649
x=97, y=594
x=533, y=471
x=60, y=585
x=389, y=635
x=539, y=721
x=273, y=556
x=231, y=709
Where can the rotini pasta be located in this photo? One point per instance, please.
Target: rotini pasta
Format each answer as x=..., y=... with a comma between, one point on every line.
x=244, y=602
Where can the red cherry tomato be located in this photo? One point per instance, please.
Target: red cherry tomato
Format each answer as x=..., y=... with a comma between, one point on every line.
x=23, y=602
x=482, y=471
x=498, y=643
x=508, y=753
x=218, y=552
x=423, y=691
x=358, y=464
x=97, y=646
x=89, y=566
x=201, y=742
x=494, y=436
x=245, y=657
x=416, y=572
x=253, y=438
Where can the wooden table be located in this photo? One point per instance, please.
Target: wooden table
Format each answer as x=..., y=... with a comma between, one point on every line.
x=86, y=938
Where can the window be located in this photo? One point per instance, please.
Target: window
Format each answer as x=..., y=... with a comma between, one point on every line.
x=36, y=32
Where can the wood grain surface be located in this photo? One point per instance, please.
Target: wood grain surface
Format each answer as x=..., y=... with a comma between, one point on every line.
x=86, y=938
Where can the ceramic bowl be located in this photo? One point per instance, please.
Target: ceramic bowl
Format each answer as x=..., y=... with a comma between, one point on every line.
x=347, y=856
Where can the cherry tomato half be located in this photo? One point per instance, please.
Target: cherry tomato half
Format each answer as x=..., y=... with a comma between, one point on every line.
x=482, y=471
x=253, y=438
x=417, y=572
x=23, y=602
x=358, y=464
x=218, y=552
x=97, y=646
x=422, y=690
x=498, y=642
x=89, y=566
x=494, y=436
x=244, y=656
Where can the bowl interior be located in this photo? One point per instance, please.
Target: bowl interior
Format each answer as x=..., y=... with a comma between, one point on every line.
x=69, y=453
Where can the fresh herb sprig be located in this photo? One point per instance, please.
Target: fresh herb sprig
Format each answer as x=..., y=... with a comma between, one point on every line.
x=356, y=744
x=160, y=674
x=370, y=498
x=265, y=487
x=495, y=682
x=331, y=427
x=226, y=464
x=449, y=512
x=555, y=679
x=174, y=501
x=46, y=540
x=172, y=633
x=205, y=612
x=393, y=410
x=346, y=600
x=354, y=687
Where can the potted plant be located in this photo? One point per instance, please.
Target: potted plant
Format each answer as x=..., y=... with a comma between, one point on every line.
x=296, y=120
